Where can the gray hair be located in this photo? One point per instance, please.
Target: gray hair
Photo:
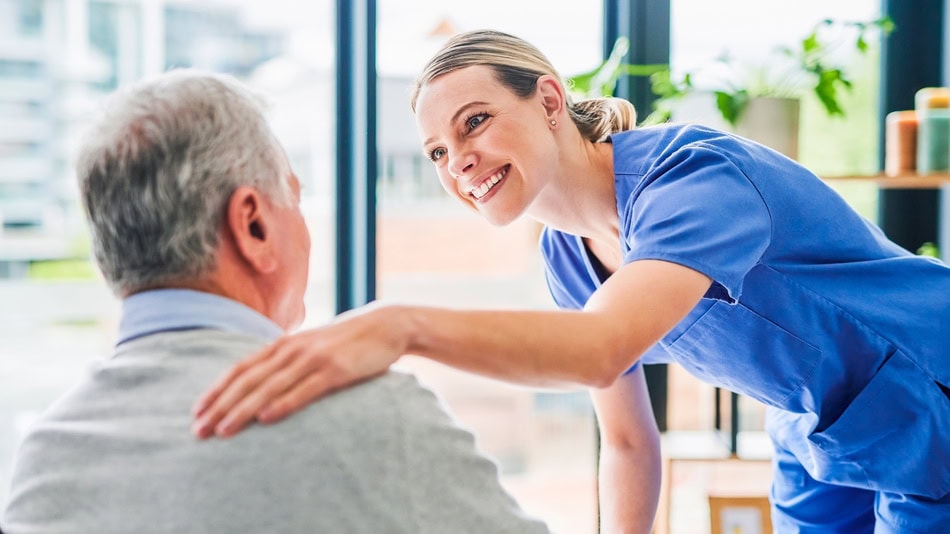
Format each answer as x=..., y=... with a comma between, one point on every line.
x=158, y=169
x=517, y=65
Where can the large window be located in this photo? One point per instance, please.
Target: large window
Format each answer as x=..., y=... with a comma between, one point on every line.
x=749, y=33
x=58, y=58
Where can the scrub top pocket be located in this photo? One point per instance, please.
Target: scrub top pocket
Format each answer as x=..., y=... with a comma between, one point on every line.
x=892, y=437
x=770, y=364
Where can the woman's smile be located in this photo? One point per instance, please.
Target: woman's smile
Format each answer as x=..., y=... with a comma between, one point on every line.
x=480, y=191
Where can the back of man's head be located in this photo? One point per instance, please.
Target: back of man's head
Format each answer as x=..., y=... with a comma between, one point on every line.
x=157, y=170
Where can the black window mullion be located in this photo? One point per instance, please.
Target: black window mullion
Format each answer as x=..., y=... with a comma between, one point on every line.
x=356, y=153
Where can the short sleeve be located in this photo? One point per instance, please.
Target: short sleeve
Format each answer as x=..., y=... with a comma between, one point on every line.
x=570, y=282
x=698, y=209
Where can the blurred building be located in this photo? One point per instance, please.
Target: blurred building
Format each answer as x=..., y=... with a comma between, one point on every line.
x=28, y=192
x=59, y=57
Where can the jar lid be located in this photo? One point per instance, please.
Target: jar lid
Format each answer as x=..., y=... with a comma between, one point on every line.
x=932, y=98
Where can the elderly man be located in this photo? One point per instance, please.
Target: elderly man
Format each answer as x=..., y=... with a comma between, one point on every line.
x=195, y=223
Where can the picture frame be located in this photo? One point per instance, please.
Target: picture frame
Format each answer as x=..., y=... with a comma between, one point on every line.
x=739, y=515
x=687, y=483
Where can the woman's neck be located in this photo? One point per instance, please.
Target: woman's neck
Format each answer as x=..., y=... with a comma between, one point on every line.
x=581, y=200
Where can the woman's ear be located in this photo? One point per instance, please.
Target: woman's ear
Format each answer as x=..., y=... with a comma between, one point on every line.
x=552, y=96
x=247, y=221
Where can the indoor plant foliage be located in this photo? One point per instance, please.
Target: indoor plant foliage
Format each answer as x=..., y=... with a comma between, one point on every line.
x=602, y=81
x=813, y=65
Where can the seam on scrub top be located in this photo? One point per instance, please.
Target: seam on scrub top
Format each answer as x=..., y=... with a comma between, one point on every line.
x=859, y=323
x=704, y=145
x=780, y=327
x=670, y=344
x=712, y=148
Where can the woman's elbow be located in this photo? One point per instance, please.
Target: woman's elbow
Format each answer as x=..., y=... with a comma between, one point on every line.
x=613, y=367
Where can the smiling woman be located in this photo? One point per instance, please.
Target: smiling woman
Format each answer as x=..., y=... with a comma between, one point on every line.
x=469, y=121
x=431, y=252
x=475, y=119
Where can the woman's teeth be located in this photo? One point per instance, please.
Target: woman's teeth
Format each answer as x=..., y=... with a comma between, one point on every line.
x=488, y=184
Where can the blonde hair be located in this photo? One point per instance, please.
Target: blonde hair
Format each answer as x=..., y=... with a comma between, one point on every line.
x=518, y=65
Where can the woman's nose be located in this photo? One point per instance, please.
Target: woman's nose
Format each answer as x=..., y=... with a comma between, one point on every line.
x=461, y=164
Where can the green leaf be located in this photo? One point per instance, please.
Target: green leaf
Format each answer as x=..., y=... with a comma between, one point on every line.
x=602, y=81
x=861, y=44
x=663, y=85
x=657, y=116
x=929, y=249
x=886, y=24
x=731, y=105
x=580, y=83
x=644, y=70
x=810, y=43
x=827, y=92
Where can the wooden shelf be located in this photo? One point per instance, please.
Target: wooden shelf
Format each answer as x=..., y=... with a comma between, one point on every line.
x=903, y=181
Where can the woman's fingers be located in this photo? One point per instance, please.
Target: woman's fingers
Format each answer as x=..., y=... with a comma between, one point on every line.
x=211, y=396
x=294, y=371
x=316, y=379
x=294, y=398
x=277, y=378
x=243, y=390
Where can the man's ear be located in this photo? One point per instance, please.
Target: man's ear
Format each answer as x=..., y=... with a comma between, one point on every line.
x=552, y=96
x=248, y=222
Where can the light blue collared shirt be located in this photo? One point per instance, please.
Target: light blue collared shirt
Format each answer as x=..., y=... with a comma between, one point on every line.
x=164, y=310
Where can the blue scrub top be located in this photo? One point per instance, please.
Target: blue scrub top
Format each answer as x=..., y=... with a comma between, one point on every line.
x=812, y=310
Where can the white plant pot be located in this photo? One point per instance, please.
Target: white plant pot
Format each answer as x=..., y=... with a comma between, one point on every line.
x=772, y=122
x=767, y=120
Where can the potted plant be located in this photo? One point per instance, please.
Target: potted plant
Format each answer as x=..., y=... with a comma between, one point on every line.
x=787, y=73
x=750, y=99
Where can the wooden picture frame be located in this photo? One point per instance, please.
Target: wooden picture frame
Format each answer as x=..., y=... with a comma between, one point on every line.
x=739, y=515
x=690, y=481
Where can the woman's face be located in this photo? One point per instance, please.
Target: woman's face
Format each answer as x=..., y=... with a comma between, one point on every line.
x=493, y=150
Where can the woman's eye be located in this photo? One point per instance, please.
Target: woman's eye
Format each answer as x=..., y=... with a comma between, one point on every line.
x=475, y=121
x=437, y=154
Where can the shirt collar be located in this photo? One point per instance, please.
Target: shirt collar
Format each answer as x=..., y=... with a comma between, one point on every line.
x=164, y=310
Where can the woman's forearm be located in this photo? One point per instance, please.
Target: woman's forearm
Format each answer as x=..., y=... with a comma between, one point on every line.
x=629, y=481
x=626, y=316
x=629, y=488
x=545, y=349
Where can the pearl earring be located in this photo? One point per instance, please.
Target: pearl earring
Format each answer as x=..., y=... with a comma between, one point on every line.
x=553, y=122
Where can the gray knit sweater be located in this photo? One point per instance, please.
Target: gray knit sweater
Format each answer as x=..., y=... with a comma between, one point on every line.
x=116, y=455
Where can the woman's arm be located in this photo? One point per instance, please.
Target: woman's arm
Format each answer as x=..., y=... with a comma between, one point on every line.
x=632, y=311
x=629, y=481
x=628, y=314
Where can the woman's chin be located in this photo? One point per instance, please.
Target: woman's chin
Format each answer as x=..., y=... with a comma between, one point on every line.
x=500, y=217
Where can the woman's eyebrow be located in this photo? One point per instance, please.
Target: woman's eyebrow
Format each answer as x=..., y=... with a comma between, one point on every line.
x=457, y=114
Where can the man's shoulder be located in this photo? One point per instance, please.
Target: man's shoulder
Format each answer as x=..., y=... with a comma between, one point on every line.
x=389, y=401
x=190, y=342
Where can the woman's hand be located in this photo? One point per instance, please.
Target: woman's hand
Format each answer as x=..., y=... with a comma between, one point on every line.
x=297, y=369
